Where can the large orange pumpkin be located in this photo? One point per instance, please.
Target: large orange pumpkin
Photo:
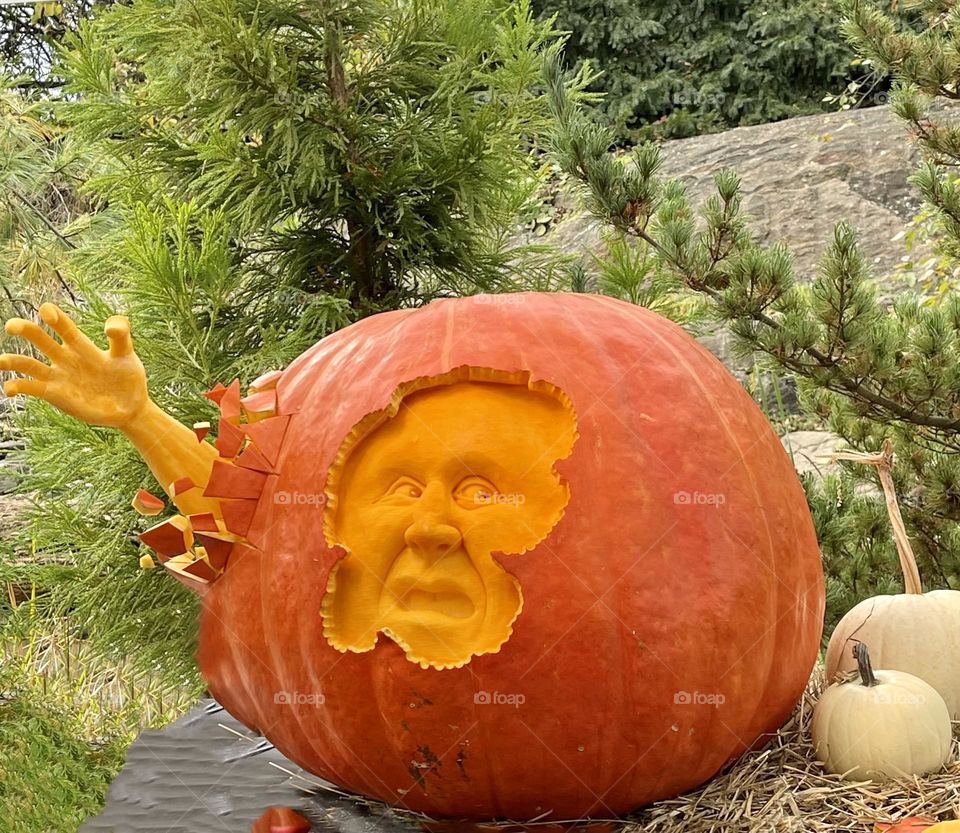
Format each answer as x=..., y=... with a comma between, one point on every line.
x=651, y=609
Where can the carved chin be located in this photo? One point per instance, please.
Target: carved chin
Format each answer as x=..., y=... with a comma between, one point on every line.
x=437, y=625
x=438, y=640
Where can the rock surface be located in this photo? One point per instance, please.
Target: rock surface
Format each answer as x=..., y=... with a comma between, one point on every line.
x=799, y=177
x=811, y=451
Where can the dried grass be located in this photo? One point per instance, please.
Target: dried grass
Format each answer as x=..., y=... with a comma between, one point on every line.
x=782, y=789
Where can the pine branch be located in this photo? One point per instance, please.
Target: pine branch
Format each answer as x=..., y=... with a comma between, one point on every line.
x=21, y=306
x=627, y=202
x=851, y=386
x=52, y=228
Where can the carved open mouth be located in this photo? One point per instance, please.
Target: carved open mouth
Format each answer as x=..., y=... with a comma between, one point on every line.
x=446, y=601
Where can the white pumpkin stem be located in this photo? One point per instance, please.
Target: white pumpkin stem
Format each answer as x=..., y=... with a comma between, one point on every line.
x=884, y=463
x=862, y=656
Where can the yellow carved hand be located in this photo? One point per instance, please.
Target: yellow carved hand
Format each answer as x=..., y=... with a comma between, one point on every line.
x=99, y=387
x=109, y=388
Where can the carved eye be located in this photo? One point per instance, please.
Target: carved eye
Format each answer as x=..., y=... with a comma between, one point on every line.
x=474, y=492
x=407, y=488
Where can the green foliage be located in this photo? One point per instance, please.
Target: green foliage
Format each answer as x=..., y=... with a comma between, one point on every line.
x=51, y=778
x=867, y=371
x=677, y=68
x=41, y=215
x=197, y=319
x=29, y=34
x=369, y=151
x=928, y=269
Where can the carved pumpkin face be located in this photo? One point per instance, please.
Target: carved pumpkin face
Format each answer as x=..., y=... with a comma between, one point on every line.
x=538, y=558
x=421, y=504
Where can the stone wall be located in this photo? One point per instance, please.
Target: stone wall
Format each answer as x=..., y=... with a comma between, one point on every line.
x=800, y=176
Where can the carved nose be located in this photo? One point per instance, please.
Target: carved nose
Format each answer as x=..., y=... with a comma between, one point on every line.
x=432, y=539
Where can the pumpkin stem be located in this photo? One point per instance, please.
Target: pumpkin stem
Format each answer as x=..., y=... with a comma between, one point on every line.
x=862, y=655
x=884, y=463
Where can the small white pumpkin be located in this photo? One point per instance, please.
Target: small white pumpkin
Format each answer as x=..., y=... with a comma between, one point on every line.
x=885, y=725
x=915, y=632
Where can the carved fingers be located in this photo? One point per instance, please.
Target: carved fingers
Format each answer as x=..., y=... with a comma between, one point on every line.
x=36, y=335
x=76, y=364
x=37, y=373
x=117, y=329
x=58, y=321
x=25, y=366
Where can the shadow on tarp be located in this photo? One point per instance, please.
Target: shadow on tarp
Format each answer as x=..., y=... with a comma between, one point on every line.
x=207, y=773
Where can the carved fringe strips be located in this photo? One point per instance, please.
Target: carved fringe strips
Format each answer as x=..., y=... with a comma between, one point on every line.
x=195, y=549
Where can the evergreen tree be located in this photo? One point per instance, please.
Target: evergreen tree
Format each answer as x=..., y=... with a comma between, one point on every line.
x=42, y=217
x=868, y=371
x=366, y=152
x=677, y=68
